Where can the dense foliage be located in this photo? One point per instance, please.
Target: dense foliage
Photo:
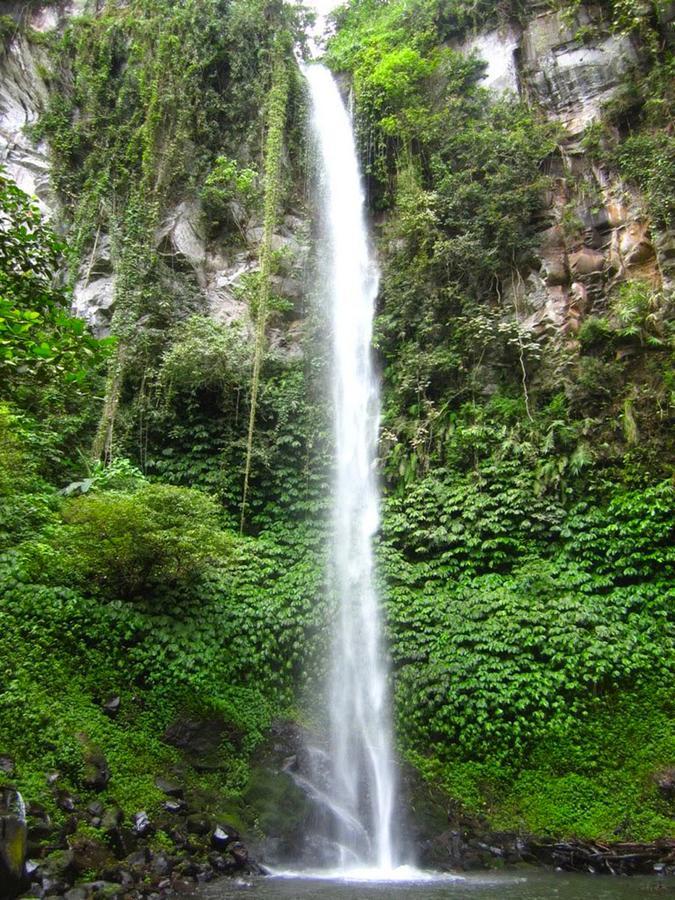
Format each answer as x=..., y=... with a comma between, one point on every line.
x=528, y=513
x=526, y=545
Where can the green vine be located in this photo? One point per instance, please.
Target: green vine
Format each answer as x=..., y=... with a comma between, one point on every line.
x=278, y=99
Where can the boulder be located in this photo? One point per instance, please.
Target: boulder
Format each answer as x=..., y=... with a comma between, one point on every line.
x=200, y=739
x=174, y=806
x=665, y=783
x=635, y=246
x=76, y=893
x=65, y=800
x=162, y=865
x=88, y=853
x=112, y=818
x=554, y=267
x=239, y=854
x=198, y=824
x=6, y=765
x=141, y=824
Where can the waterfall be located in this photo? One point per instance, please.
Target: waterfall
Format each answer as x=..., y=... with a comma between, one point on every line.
x=361, y=781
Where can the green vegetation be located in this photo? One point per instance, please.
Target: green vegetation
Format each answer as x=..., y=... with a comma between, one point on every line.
x=278, y=101
x=526, y=545
x=528, y=512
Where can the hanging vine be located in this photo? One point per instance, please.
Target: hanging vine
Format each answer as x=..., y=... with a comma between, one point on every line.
x=278, y=99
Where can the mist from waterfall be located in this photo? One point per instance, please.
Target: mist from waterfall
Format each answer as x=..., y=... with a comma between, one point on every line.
x=360, y=780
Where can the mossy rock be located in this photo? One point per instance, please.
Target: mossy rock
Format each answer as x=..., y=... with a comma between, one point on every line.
x=279, y=808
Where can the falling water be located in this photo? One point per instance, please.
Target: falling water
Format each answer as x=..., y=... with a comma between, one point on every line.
x=361, y=783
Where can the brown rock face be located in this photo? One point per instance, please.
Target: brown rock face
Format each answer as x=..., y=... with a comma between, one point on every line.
x=634, y=244
x=555, y=271
x=586, y=262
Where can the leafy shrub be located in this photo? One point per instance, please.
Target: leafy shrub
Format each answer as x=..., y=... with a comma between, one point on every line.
x=137, y=546
x=230, y=194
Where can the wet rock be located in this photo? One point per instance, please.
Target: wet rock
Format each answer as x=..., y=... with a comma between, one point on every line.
x=112, y=706
x=168, y=787
x=37, y=811
x=13, y=842
x=239, y=854
x=89, y=854
x=138, y=857
x=52, y=777
x=200, y=740
x=174, y=806
x=76, y=893
x=205, y=875
x=112, y=818
x=51, y=885
x=198, y=824
x=40, y=828
x=119, y=874
x=7, y=765
x=162, y=864
x=122, y=840
x=95, y=813
x=65, y=801
x=141, y=824
x=618, y=858
x=32, y=870
x=59, y=864
x=665, y=783
x=222, y=836
x=219, y=863
x=179, y=837
x=102, y=890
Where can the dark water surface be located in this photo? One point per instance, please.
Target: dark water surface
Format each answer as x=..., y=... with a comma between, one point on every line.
x=522, y=886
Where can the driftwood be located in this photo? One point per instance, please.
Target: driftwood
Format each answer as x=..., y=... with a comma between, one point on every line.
x=610, y=858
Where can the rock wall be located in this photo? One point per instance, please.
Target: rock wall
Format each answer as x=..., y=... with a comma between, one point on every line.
x=569, y=69
x=210, y=269
x=595, y=230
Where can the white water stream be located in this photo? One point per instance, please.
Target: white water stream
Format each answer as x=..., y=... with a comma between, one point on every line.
x=361, y=782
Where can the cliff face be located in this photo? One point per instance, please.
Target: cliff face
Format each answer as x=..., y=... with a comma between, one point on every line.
x=210, y=268
x=595, y=228
x=570, y=69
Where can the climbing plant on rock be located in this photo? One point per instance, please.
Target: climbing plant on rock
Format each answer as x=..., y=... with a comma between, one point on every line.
x=278, y=99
